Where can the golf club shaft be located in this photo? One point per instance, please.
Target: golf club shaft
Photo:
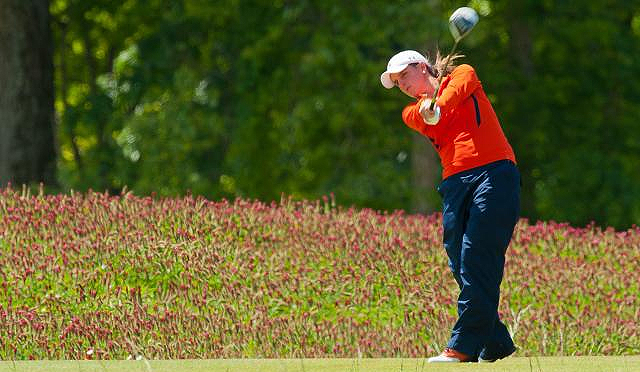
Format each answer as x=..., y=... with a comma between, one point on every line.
x=444, y=71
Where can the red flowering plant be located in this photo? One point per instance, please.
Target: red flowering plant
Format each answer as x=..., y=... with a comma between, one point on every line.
x=96, y=276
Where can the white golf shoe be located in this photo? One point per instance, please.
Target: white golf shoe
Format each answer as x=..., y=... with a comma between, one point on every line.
x=449, y=356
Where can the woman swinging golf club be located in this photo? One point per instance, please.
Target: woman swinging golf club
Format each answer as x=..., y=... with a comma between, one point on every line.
x=480, y=188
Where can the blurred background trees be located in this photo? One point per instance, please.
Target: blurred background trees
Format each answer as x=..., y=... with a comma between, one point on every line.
x=259, y=98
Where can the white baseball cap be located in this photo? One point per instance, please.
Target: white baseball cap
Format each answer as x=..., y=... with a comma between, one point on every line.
x=398, y=63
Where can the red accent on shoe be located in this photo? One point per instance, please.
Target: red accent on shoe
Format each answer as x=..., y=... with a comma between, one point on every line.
x=448, y=352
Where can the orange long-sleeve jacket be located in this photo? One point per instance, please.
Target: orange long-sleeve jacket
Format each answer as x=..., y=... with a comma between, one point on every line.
x=468, y=134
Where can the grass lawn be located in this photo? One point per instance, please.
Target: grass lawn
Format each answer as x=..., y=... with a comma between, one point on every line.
x=554, y=364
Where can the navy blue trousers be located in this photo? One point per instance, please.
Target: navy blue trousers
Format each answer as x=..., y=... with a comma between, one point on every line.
x=480, y=209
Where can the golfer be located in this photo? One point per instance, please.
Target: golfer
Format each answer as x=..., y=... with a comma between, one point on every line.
x=480, y=190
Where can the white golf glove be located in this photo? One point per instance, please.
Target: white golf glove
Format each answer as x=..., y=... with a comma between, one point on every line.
x=430, y=117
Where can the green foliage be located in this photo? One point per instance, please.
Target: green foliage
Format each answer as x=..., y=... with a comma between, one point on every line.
x=569, y=103
x=252, y=98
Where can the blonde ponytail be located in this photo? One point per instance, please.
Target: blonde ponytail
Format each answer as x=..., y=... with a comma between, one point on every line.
x=437, y=67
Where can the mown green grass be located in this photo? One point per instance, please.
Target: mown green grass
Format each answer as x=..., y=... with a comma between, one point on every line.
x=541, y=364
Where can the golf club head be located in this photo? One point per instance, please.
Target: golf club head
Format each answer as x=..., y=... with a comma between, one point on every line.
x=462, y=21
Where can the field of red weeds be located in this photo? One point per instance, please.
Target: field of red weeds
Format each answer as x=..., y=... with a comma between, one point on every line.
x=94, y=276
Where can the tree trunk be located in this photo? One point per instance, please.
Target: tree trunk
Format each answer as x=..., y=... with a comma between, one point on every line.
x=27, y=151
x=425, y=171
x=521, y=45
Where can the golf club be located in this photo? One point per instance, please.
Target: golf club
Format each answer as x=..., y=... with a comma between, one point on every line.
x=461, y=23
